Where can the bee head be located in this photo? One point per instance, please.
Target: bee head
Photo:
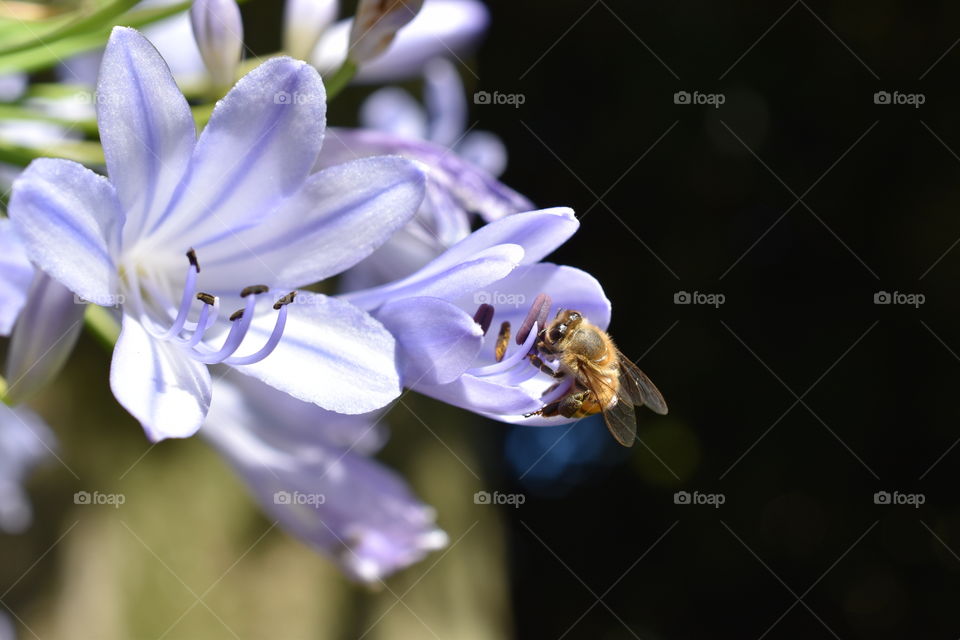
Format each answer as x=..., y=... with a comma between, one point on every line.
x=564, y=324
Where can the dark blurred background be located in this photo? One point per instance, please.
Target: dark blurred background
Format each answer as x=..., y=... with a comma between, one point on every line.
x=681, y=197
x=793, y=402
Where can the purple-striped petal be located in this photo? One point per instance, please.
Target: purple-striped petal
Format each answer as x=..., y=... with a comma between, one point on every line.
x=145, y=125
x=332, y=354
x=339, y=218
x=69, y=220
x=261, y=142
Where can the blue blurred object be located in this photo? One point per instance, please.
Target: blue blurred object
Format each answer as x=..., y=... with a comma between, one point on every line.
x=550, y=461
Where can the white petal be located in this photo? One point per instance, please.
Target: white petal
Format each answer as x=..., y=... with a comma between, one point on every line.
x=165, y=390
x=331, y=354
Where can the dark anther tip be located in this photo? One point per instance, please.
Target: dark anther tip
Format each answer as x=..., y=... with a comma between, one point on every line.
x=254, y=290
x=484, y=316
x=206, y=298
x=285, y=300
x=538, y=313
x=192, y=257
x=236, y=315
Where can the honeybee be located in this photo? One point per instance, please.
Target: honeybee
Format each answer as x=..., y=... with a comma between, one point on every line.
x=604, y=380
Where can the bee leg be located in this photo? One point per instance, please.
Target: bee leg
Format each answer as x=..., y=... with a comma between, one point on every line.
x=548, y=411
x=569, y=407
x=537, y=362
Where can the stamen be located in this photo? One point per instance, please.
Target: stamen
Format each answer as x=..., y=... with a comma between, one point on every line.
x=274, y=338
x=189, y=286
x=536, y=316
x=503, y=338
x=192, y=257
x=484, y=316
x=517, y=355
x=189, y=335
x=285, y=300
x=207, y=317
x=561, y=389
x=254, y=290
x=241, y=320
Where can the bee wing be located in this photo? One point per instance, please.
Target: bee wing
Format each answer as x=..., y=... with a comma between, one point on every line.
x=639, y=388
x=620, y=418
x=621, y=421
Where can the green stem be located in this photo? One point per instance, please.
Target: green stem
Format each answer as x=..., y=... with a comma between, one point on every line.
x=82, y=151
x=3, y=392
x=17, y=112
x=102, y=326
x=340, y=78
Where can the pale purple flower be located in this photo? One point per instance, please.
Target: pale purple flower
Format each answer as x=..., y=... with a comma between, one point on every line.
x=440, y=318
x=459, y=188
x=311, y=471
x=243, y=197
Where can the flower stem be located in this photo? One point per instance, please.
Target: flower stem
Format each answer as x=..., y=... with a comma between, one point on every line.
x=102, y=326
x=3, y=391
x=340, y=78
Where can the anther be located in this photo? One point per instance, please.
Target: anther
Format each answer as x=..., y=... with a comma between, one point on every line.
x=503, y=338
x=285, y=300
x=484, y=316
x=539, y=311
x=236, y=315
x=192, y=257
x=254, y=290
x=206, y=298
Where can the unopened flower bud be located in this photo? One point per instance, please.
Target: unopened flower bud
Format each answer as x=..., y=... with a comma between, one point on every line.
x=376, y=24
x=218, y=30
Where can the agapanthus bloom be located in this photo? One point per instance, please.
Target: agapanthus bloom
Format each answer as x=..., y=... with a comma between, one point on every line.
x=187, y=230
x=461, y=171
x=310, y=469
x=447, y=316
